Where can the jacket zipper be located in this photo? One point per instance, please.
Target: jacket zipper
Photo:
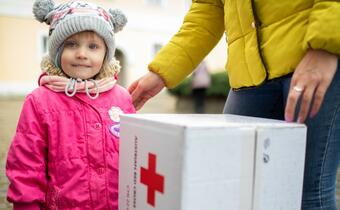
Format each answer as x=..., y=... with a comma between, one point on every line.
x=257, y=24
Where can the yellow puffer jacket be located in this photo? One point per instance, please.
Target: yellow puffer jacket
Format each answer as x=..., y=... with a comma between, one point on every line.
x=266, y=38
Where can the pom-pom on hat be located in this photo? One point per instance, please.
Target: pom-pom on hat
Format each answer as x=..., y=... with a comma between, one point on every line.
x=77, y=16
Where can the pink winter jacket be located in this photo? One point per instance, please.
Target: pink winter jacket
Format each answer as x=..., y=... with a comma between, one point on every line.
x=65, y=152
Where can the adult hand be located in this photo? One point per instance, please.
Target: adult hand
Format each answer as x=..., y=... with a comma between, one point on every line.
x=145, y=88
x=310, y=82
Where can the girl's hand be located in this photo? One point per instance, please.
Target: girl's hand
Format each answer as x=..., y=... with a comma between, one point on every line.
x=310, y=82
x=145, y=88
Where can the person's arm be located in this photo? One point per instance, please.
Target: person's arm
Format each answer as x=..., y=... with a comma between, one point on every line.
x=323, y=31
x=316, y=70
x=26, y=161
x=202, y=28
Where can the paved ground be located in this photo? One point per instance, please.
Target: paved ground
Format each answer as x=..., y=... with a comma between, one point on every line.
x=9, y=113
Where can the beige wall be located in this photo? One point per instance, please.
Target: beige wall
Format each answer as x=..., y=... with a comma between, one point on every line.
x=19, y=57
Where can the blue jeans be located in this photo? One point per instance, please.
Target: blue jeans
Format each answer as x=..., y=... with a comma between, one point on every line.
x=323, y=134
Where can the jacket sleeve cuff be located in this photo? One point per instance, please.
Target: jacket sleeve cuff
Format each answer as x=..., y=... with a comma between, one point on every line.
x=26, y=206
x=323, y=31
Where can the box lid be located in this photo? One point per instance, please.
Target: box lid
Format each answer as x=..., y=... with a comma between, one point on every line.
x=209, y=120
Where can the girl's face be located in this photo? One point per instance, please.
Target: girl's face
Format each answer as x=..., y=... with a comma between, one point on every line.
x=83, y=55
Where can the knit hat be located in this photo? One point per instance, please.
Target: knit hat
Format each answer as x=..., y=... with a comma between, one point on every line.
x=77, y=16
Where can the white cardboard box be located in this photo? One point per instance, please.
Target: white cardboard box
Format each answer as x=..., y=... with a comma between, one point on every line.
x=210, y=162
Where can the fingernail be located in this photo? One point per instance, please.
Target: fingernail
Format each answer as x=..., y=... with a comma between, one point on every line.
x=312, y=114
x=288, y=119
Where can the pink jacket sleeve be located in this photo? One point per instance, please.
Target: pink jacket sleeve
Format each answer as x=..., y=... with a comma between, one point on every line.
x=26, y=161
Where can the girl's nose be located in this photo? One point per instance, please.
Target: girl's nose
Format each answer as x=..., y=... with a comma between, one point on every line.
x=81, y=53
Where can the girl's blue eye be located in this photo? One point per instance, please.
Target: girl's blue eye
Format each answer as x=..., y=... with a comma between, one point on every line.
x=93, y=46
x=70, y=44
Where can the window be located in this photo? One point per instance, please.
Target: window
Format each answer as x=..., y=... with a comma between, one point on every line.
x=155, y=2
x=42, y=44
x=155, y=48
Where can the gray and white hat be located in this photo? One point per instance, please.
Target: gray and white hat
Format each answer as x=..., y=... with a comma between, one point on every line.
x=77, y=16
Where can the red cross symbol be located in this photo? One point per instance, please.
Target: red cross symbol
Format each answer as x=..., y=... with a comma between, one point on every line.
x=153, y=181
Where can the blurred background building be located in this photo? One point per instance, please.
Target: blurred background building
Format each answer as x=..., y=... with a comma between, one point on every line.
x=151, y=23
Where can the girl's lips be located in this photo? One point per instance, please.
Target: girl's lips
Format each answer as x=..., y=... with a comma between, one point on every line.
x=80, y=65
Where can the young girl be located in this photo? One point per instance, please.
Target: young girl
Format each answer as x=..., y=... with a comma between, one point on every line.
x=65, y=152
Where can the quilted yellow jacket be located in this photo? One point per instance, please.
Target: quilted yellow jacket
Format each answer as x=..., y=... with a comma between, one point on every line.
x=266, y=38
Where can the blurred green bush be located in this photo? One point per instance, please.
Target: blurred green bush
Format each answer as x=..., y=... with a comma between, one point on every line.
x=219, y=86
